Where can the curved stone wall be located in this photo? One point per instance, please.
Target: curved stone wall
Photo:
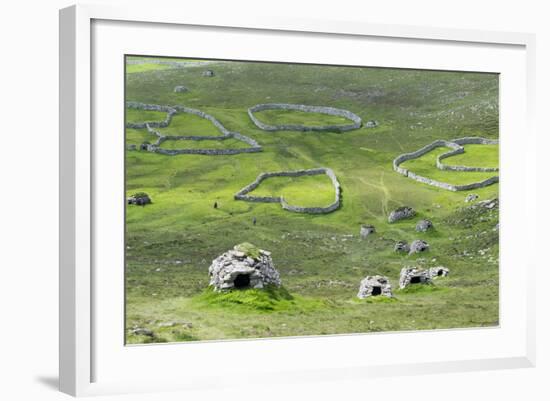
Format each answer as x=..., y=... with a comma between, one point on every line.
x=243, y=193
x=173, y=110
x=456, y=148
x=356, y=120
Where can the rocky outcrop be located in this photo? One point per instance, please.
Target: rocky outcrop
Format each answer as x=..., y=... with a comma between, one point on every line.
x=355, y=119
x=402, y=246
x=140, y=199
x=413, y=275
x=243, y=267
x=424, y=225
x=243, y=193
x=180, y=89
x=374, y=286
x=366, y=230
x=439, y=271
x=456, y=146
x=418, y=246
x=404, y=212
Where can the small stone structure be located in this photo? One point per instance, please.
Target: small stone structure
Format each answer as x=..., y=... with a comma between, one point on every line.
x=373, y=286
x=366, y=230
x=208, y=73
x=403, y=212
x=180, y=89
x=424, y=225
x=243, y=193
x=438, y=271
x=471, y=197
x=371, y=124
x=401, y=246
x=355, y=119
x=242, y=267
x=140, y=199
x=413, y=275
x=418, y=246
x=456, y=146
x=173, y=110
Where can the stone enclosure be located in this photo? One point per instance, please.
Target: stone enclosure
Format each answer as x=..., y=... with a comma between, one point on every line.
x=243, y=193
x=374, y=286
x=456, y=146
x=354, y=118
x=173, y=110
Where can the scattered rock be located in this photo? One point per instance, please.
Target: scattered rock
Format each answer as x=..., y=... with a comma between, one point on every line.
x=402, y=246
x=366, y=230
x=418, y=246
x=438, y=271
x=208, y=73
x=424, y=225
x=371, y=124
x=412, y=275
x=404, y=212
x=180, y=89
x=245, y=266
x=471, y=197
x=142, y=331
x=139, y=198
x=144, y=146
x=373, y=286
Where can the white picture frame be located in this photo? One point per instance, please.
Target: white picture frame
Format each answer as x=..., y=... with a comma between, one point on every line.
x=83, y=215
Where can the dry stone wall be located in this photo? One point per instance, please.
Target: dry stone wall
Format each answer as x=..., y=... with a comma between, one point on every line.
x=354, y=118
x=173, y=110
x=243, y=193
x=456, y=147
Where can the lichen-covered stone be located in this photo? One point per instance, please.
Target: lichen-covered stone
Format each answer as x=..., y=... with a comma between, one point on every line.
x=424, y=225
x=404, y=212
x=244, y=266
x=373, y=286
x=438, y=271
x=402, y=246
x=366, y=230
x=418, y=246
x=413, y=275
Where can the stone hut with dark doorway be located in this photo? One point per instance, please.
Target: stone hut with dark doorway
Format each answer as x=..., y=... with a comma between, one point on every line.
x=366, y=230
x=413, y=275
x=245, y=266
x=373, y=286
x=438, y=271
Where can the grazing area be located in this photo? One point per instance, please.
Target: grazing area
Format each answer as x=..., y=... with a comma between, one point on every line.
x=321, y=259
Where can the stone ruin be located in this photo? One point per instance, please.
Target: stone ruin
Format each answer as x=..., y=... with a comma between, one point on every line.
x=438, y=271
x=374, y=286
x=371, y=124
x=180, y=89
x=140, y=199
x=366, y=230
x=242, y=267
x=413, y=275
x=208, y=73
x=404, y=212
x=402, y=246
x=471, y=197
x=418, y=246
x=424, y=225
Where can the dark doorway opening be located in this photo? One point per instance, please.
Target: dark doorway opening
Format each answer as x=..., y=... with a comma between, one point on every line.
x=415, y=280
x=242, y=281
x=440, y=272
x=376, y=291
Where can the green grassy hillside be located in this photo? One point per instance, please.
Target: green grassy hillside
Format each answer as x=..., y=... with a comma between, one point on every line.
x=321, y=258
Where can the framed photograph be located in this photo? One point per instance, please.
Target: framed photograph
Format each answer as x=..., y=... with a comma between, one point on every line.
x=341, y=199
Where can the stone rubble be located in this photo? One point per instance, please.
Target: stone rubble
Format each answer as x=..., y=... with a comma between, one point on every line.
x=404, y=212
x=418, y=246
x=424, y=225
x=402, y=246
x=471, y=197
